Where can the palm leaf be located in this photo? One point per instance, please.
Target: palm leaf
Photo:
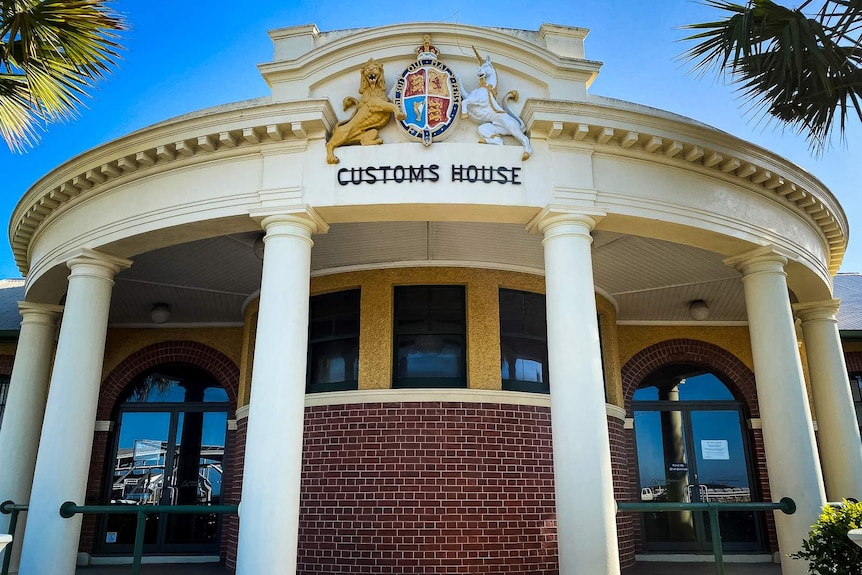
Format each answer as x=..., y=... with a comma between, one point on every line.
x=58, y=50
x=798, y=69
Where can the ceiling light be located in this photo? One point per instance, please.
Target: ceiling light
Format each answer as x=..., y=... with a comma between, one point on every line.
x=698, y=310
x=160, y=313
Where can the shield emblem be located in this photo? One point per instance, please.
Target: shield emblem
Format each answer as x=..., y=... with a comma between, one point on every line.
x=429, y=94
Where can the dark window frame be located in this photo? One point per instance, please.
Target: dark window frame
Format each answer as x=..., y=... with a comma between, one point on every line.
x=856, y=392
x=508, y=337
x=353, y=315
x=400, y=293
x=5, y=381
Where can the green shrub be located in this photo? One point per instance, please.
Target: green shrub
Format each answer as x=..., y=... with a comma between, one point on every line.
x=828, y=549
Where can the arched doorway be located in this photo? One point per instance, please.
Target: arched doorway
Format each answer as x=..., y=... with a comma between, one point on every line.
x=169, y=449
x=691, y=445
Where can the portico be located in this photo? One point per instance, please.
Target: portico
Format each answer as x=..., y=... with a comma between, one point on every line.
x=415, y=358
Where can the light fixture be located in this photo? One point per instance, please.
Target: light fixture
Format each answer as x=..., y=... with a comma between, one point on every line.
x=160, y=313
x=698, y=310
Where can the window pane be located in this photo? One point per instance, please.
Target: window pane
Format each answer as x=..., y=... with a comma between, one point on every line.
x=523, y=341
x=426, y=356
x=334, y=361
x=430, y=329
x=176, y=385
x=690, y=382
x=333, y=342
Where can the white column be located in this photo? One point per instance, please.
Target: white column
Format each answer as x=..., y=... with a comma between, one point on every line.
x=840, y=445
x=269, y=510
x=586, y=510
x=63, y=462
x=25, y=408
x=788, y=433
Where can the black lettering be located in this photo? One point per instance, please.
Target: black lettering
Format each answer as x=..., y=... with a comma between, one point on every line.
x=385, y=172
x=472, y=173
x=487, y=174
x=340, y=172
x=398, y=174
x=433, y=170
x=369, y=171
x=515, y=175
x=457, y=173
x=353, y=180
x=417, y=174
x=501, y=172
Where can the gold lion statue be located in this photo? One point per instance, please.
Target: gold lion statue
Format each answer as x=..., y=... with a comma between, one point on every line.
x=372, y=112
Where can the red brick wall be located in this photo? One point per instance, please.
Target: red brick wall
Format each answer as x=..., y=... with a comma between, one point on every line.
x=426, y=488
x=622, y=487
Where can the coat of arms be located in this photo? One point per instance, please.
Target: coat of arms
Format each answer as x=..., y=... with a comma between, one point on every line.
x=428, y=93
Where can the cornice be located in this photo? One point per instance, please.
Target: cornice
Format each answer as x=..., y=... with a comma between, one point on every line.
x=185, y=140
x=660, y=137
x=401, y=39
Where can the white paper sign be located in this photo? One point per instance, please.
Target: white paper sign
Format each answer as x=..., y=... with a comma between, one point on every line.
x=714, y=449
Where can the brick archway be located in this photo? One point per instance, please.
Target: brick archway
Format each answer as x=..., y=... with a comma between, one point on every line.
x=733, y=373
x=210, y=360
x=214, y=362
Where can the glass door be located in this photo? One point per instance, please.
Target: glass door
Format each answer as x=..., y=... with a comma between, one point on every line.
x=722, y=474
x=138, y=476
x=196, y=479
x=691, y=453
x=665, y=476
x=170, y=457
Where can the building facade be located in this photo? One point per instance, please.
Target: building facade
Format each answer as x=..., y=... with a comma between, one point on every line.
x=429, y=307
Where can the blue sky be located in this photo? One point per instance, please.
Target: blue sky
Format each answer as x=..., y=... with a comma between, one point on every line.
x=186, y=55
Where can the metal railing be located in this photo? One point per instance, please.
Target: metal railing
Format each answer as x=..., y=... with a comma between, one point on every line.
x=69, y=509
x=786, y=505
x=12, y=509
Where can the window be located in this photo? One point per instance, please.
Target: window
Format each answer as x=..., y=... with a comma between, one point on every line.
x=856, y=390
x=4, y=393
x=523, y=341
x=333, y=342
x=430, y=336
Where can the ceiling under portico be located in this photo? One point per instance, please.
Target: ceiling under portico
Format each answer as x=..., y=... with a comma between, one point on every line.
x=209, y=281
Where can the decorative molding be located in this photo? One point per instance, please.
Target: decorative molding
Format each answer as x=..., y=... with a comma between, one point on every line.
x=616, y=412
x=609, y=130
x=221, y=134
x=425, y=395
x=104, y=426
x=754, y=423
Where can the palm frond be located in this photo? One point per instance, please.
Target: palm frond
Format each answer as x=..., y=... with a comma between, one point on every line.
x=60, y=48
x=18, y=120
x=798, y=69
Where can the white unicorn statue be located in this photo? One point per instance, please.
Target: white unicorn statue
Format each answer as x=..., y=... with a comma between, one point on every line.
x=495, y=121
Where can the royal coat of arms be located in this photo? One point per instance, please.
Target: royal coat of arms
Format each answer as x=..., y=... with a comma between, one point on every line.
x=428, y=93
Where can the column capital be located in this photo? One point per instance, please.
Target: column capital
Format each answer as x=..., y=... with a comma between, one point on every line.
x=817, y=310
x=39, y=313
x=302, y=215
x=765, y=259
x=553, y=215
x=89, y=262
